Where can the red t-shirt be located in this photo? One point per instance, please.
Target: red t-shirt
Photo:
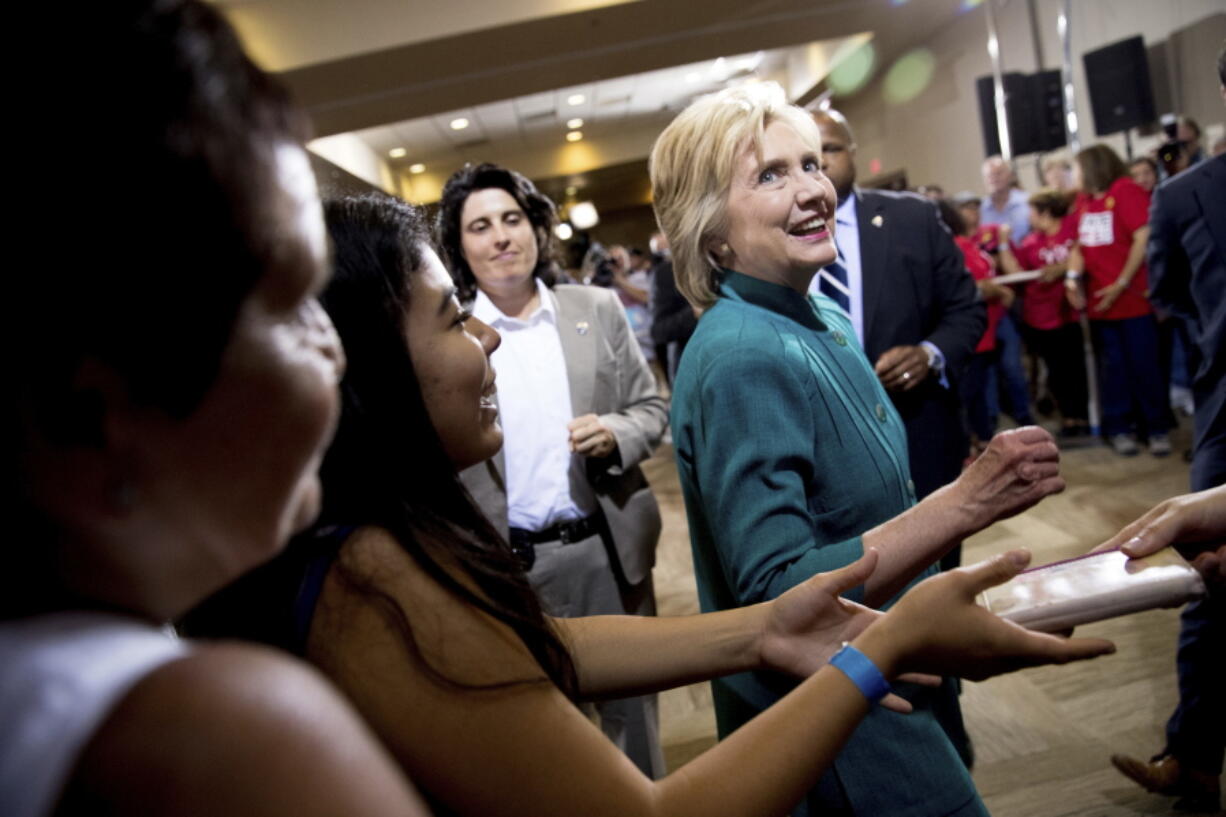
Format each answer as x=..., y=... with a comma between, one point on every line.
x=980, y=266
x=1105, y=225
x=1044, y=305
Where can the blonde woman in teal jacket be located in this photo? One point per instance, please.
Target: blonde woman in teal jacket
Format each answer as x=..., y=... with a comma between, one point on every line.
x=792, y=459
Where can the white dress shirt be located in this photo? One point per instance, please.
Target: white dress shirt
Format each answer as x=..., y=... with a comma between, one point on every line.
x=546, y=483
x=847, y=238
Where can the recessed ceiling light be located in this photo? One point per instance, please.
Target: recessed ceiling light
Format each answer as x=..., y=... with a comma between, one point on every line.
x=572, y=190
x=417, y=168
x=397, y=153
x=459, y=123
x=563, y=231
x=576, y=99
x=574, y=124
x=574, y=136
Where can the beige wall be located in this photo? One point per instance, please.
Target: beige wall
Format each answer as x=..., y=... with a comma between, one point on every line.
x=936, y=137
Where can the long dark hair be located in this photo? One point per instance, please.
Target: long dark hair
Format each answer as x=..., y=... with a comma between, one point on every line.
x=187, y=223
x=538, y=207
x=386, y=466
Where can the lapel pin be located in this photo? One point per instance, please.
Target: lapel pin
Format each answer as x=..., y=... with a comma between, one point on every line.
x=878, y=221
x=581, y=327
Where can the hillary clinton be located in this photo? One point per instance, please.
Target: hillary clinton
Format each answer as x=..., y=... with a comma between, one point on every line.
x=791, y=457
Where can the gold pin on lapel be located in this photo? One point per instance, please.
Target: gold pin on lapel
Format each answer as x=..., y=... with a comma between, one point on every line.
x=878, y=221
x=581, y=327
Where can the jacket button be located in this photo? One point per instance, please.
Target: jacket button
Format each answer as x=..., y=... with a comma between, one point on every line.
x=839, y=337
x=881, y=412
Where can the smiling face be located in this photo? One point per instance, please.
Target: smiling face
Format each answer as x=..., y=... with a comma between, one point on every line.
x=239, y=475
x=498, y=242
x=780, y=211
x=451, y=351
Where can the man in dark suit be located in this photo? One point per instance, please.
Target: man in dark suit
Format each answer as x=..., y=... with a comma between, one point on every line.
x=914, y=306
x=918, y=315
x=1187, y=277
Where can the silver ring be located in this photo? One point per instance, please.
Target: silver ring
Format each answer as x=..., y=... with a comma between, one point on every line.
x=906, y=375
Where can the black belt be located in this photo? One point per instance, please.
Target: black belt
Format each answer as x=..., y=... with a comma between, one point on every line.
x=523, y=542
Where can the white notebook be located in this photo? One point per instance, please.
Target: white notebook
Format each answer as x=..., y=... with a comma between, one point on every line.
x=1093, y=587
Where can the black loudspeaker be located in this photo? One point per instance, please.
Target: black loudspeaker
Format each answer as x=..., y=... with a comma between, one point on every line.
x=1034, y=110
x=1047, y=93
x=1121, y=94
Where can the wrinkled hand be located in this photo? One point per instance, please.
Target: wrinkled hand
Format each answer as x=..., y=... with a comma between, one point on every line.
x=1017, y=469
x=809, y=623
x=590, y=437
x=1198, y=518
x=902, y=368
x=941, y=629
x=1109, y=294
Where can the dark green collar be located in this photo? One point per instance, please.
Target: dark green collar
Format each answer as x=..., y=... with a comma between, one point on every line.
x=775, y=297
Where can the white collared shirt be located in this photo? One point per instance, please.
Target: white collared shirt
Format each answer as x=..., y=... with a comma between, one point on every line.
x=847, y=239
x=546, y=483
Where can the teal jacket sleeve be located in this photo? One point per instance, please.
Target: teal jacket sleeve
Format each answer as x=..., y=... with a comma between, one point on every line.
x=754, y=438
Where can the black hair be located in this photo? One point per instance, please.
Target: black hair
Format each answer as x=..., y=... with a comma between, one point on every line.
x=952, y=218
x=185, y=223
x=538, y=207
x=386, y=466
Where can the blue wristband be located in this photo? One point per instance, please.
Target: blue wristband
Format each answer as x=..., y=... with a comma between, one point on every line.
x=862, y=672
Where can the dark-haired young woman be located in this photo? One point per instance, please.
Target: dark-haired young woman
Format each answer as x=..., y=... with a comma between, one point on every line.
x=407, y=597
x=175, y=388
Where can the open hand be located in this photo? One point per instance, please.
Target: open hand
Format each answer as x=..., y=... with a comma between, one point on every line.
x=902, y=368
x=590, y=437
x=939, y=627
x=1198, y=518
x=1109, y=294
x=809, y=623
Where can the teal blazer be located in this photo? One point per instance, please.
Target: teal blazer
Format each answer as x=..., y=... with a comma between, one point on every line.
x=788, y=449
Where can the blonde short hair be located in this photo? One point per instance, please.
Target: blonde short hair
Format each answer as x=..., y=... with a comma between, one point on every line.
x=692, y=164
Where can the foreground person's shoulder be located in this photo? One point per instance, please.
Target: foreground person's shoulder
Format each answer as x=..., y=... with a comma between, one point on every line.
x=239, y=729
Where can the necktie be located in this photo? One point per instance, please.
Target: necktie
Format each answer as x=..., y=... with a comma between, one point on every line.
x=832, y=281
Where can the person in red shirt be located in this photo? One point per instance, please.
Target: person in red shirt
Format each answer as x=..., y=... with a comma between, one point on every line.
x=978, y=384
x=1051, y=326
x=1112, y=231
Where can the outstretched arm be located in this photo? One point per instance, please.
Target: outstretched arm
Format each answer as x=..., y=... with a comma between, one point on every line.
x=796, y=634
x=519, y=747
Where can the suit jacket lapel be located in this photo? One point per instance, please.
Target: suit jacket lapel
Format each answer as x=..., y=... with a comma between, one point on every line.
x=872, y=261
x=1210, y=198
x=577, y=330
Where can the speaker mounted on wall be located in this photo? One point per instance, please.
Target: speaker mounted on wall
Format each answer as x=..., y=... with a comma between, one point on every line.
x=1121, y=93
x=1034, y=111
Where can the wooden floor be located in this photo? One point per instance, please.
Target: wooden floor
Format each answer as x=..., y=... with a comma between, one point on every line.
x=1043, y=736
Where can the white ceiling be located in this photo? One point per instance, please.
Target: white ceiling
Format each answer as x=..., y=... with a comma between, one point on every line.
x=536, y=120
x=285, y=34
